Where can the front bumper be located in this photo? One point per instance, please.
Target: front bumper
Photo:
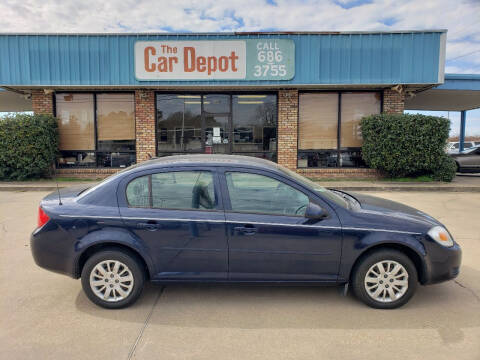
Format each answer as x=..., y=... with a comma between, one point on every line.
x=441, y=263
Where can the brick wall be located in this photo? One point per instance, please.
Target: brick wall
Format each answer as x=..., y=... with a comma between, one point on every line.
x=287, y=128
x=340, y=173
x=86, y=173
x=41, y=102
x=145, y=124
x=393, y=102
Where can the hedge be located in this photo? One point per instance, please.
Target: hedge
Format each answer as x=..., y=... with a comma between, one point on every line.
x=28, y=146
x=407, y=145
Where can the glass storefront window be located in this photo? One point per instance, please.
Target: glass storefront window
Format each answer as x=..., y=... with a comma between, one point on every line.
x=317, y=130
x=115, y=130
x=179, y=122
x=248, y=126
x=76, y=127
x=216, y=103
x=355, y=105
x=111, y=144
x=322, y=123
x=254, y=123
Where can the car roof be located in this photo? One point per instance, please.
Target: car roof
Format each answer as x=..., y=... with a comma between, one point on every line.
x=208, y=159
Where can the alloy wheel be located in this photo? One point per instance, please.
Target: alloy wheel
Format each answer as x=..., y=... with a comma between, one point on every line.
x=111, y=280
x=386, y=281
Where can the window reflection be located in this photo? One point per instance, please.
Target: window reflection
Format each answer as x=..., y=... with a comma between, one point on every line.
x=240, y=123
x=115, y=130
x=179, y=122
x=319, y=128
x=254, y=123
x=76, y=129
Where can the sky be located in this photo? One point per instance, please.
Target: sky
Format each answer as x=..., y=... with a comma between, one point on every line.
x=460, y=17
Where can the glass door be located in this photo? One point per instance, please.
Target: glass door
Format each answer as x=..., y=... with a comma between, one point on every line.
x=216, y=123
x=216, y=115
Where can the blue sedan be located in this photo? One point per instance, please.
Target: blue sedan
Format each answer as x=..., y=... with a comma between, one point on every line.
x=236, y=219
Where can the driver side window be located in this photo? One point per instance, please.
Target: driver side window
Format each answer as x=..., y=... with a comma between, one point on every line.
x=255, y=193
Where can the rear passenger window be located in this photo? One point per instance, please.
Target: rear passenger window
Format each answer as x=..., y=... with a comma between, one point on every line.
x=187, y=190
x=138, y=194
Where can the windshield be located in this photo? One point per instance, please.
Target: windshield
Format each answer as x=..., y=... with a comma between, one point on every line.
x=316, y=187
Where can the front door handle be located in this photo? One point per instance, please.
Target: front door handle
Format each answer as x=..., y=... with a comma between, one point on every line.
x=246, y=230
x=149, y=225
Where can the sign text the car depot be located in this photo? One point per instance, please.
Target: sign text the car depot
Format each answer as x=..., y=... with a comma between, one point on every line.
x=252, y=59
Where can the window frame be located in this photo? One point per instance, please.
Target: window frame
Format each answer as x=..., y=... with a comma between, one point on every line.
x=204, y=113
x=95, y=130
x=123, y=202
x=339, y=149
x=274, y=176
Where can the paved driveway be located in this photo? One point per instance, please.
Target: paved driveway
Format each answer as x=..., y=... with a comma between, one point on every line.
x=46, y=316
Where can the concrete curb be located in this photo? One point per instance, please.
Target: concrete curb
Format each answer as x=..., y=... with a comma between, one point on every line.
x=29, y=188
x=410, y=188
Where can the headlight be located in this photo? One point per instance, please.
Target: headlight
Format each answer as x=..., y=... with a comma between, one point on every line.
x=441, y=236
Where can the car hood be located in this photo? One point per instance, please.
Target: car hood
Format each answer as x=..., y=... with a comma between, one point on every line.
x=397, y=212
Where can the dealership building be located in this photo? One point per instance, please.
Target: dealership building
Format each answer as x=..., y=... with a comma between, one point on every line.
x=294, y=98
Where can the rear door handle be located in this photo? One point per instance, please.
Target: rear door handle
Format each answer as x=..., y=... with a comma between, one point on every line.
x=246, y=230
x=150, y=225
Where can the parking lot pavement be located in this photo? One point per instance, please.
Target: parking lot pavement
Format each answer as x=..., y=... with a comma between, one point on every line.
x=47, y=316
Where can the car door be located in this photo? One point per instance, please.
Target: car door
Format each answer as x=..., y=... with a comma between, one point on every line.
x=472, y=160
x=178, y=216
x=269, y=237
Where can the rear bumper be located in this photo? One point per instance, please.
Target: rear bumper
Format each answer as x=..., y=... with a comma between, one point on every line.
x=442, y=263
x=52, y=251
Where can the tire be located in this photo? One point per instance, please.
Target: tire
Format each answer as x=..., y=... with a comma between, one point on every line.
x=391, y=288
x=122, y=290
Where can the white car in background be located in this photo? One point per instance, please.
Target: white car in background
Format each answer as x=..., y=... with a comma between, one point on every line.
x=453, y=147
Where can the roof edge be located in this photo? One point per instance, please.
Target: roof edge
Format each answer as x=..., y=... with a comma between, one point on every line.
x=223, y=33
x=462, y=76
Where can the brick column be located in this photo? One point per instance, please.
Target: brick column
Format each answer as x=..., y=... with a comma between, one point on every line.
x=41, y=102
x=145, y=124
x=287, y=128
x=393, y=102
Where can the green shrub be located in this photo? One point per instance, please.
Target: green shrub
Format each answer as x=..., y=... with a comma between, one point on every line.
x=446, y=169
x=407, y=145
x=28, y=146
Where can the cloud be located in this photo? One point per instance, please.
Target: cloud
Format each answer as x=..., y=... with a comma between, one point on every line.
x=460, y=17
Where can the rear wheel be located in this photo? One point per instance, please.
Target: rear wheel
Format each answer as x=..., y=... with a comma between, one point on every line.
x=385, y=279
x=113, y=278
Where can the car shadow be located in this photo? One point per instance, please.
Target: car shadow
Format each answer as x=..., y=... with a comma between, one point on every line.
x=447, y=308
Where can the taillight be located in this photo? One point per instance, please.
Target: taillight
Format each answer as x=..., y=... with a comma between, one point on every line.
x=42, y=217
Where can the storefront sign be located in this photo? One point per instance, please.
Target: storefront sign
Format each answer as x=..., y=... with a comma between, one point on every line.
x=252, y=59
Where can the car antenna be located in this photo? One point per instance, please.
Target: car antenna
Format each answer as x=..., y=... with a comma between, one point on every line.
x=56, y=182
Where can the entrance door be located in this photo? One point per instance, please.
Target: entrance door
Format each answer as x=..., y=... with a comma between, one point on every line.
x=216, y=115
x=217, y=123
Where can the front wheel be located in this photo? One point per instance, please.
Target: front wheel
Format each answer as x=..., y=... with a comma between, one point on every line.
x=113, y=278
x=385, y=279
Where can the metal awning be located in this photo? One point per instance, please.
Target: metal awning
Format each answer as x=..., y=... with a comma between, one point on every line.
x=459, y=92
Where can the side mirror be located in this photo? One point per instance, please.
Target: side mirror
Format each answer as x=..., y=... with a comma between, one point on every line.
x=314, y=211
